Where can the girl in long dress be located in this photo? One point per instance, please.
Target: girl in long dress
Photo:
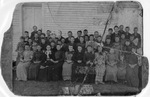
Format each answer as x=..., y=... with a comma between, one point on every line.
x=132, y=69
x=100, y=65
x=111, y=67
x=37, y=60
x=89, y=57
x=67, y=66
x=121, y=74
x=22, y=67
x=78, y=66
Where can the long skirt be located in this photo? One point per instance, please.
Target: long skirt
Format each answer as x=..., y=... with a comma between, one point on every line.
x=21, y=71
x=43, y=73
x=78, y=72
x=111, y=73
x=132, y=76
x=54, y=71
x=121, y=74
x=67, y=71
x=33, y=71
x=100, y=71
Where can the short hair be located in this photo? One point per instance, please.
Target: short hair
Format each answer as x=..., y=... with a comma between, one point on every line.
x=69, y=31
x=127, y=27
x=21, y=37
x=116, y=26
x=85, y=30
x=91, y=35
x=135, y=27
x=110, y=29
x=26, y=32
x=79, y=31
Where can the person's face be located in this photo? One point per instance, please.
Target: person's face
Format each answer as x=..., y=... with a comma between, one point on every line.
x=70, y=48
x=58, y=47
x=69, y=34
x=36, y=35
x=116, y=29
x=122, y=36
x=26, y=34
x=79, y=34
x=21, y=40
x=135, y=30
x=99, y=48
x=112, y=51
x=26, y=39
x=99, y=39
x=43, y=40
x=127, y=43
x=96, y=34
x=85, y=32
x=27, y=48
x=30, y=40
x=81, y=39
x=48, y=32
x=48, y=47
x=39, y=32
x=50, y=39
x=131, y=38
x=42, y=36
x=35, y=28
x=63, y=40
x=72, y=39
x=110, y=31
x=34, y=48
x=117, y=39
x=59, y=42
x=108, y=40
x=89, y=49
x=91, y=38
x=39, y=48
x=121, y=27
x=127, y=29
x=52, y=44
x=79, y=48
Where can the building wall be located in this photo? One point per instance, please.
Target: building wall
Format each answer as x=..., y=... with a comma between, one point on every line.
x=76, y=16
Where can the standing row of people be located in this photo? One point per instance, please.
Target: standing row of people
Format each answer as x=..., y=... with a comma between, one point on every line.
x=49, y=57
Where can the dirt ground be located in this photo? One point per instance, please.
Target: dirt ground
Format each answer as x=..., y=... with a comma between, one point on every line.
x=34, y=88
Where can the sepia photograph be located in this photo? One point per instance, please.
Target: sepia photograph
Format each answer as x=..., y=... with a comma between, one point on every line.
x=75, y=49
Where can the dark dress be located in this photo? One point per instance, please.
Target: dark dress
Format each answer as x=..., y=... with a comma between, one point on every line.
x=59, y=56
x=77, y=40
x=132, y=70
x=78, y=72
x=91, y=74
x=38, y=59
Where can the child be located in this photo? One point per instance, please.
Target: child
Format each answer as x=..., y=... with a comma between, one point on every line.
x=89, y=57
x=91, y=42
x=21, y=44
x=100, y=65
x=67, y=66
x=111, y=68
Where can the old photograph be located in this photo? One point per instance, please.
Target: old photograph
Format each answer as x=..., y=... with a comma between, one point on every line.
x=76, y=48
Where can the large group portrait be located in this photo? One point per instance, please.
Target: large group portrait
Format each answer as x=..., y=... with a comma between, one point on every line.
x=75, y=48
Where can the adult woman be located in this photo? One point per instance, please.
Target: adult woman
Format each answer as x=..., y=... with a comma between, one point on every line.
x=38, y=59
x=111, y=68
x=100, y=65
x=67, y=66
x=24, y=63
x=89, y=57
x=78, y=66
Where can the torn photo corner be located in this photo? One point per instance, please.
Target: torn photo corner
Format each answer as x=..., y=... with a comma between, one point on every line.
x=75, y=48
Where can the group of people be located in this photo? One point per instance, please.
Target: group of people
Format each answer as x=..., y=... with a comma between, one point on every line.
x=47, y=57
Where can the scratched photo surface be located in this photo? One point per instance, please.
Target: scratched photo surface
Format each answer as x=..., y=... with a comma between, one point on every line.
x=75, y=48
